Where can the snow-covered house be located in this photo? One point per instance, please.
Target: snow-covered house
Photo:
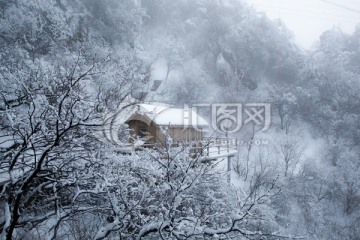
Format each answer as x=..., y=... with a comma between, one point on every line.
x=150, y=121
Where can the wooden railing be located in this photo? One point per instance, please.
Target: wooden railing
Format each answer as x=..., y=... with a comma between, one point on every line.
x=218, y=147
x=208, y=148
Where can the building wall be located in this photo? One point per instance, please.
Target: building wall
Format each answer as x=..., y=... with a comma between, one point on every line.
x=154, y=134
x=182, y=134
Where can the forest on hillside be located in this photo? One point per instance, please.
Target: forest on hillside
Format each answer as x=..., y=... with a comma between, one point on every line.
x=67, y=64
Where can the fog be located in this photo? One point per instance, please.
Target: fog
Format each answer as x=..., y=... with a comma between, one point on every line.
x=181, y=119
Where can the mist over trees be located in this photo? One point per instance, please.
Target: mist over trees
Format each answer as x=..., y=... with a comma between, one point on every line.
x=65, y=64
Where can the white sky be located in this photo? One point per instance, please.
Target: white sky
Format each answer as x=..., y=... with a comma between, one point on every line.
x=307, y=19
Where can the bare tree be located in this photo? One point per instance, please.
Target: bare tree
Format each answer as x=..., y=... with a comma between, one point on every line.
x=170, y=194
x=291, y=153
x=47, y=143
x=352, y=197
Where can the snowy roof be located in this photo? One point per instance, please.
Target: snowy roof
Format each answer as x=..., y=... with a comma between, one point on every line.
x=165, y=115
